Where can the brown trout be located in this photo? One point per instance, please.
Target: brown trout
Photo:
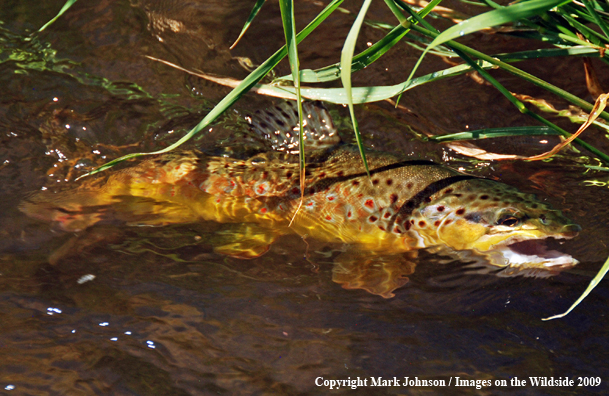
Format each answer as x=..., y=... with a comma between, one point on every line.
x=405, y=205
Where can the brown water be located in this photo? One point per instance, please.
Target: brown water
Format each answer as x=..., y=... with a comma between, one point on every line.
x=164, y=315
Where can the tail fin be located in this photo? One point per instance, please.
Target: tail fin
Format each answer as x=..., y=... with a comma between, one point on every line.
x=278, y=127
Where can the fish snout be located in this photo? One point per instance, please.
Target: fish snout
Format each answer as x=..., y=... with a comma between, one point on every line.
x=570, y=230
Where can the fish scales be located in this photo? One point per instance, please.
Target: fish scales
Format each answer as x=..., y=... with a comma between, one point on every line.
x=403, y=205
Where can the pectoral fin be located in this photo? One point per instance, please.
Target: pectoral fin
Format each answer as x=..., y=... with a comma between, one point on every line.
x=377, y=274
x=245, y=241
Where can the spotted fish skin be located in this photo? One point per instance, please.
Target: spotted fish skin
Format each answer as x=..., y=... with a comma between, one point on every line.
x=403, y=206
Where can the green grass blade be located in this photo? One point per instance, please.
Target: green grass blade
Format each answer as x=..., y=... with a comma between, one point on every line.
x=489, y=19
x=588, y=33
x=346, y=57
x=396, y=11
x=599, y=21
x=289, y=28
x=364, y=58
x=595, y=281
x=250, y=18
x=65, y=7
x=490, y=133
x=252, y=79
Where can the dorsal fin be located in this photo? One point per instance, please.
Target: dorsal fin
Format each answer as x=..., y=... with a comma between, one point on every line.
x=278, y=127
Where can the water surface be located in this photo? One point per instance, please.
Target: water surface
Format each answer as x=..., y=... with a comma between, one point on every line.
x=165, y=315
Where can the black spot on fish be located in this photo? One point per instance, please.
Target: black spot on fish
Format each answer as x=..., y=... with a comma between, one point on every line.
x=375, y=182
x=474, y=217
x=440, y=208
x=372, y=219
x=428, y=199
x=355, y=183
x=389, y=182
x=448, y=191
x=340, y=173
x=393, y=198
x=289, y=175
x=460, y=211
x=409, y=185
x=437, y=223
x=422, y=223
x=382, y=228
x=484, y=196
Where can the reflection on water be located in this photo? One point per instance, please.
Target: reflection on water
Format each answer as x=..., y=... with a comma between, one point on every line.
x=139, y=311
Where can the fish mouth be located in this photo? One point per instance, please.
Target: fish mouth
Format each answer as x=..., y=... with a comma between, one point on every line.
x=532, y=255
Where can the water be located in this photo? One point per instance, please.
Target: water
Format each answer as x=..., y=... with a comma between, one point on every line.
x=139, y=311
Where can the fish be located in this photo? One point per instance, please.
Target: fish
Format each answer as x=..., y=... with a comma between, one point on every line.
x=404, y=205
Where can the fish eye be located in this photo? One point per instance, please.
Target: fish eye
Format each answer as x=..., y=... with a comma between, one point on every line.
x=543, y=219
x=508, y=221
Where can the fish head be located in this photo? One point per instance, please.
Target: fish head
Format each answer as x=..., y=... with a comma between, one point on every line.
x=497, y=220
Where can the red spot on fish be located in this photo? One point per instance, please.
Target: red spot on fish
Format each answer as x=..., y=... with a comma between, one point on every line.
x=447, y=222
x=217, y=200
x=263, y=210
x=382, y=228
x=437, y=223
x=328, y=218
x=310, y=204
x=397, y=230
x=349, y=214
x=387, y=215
x=330, y=198
x=369, y=203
